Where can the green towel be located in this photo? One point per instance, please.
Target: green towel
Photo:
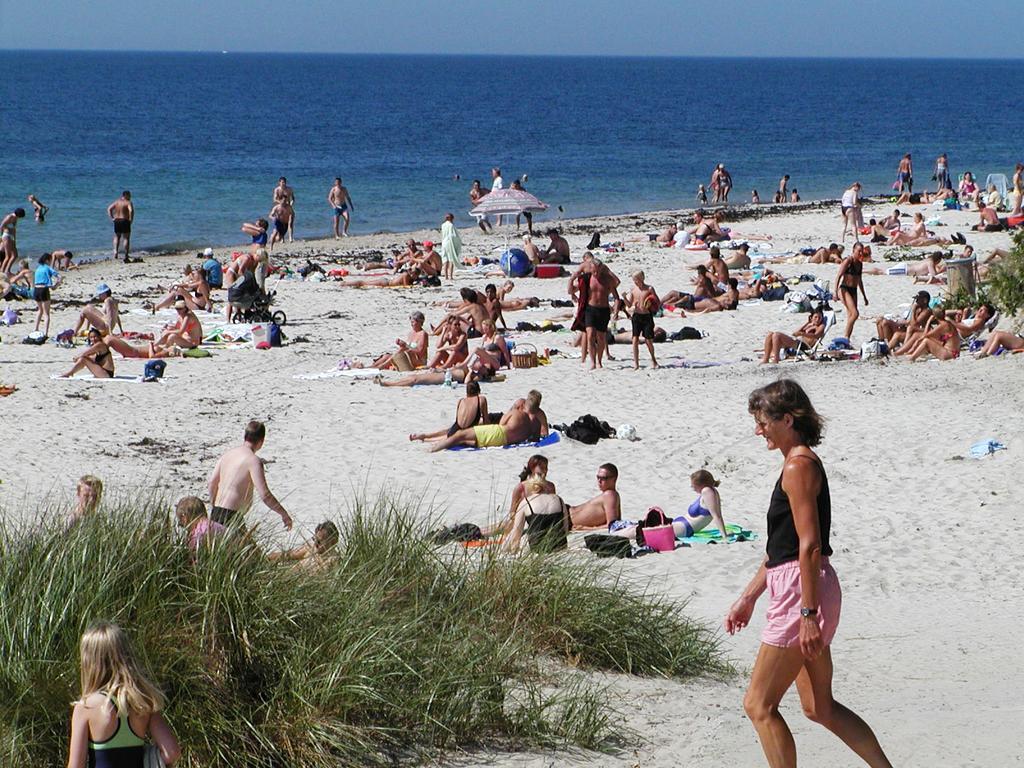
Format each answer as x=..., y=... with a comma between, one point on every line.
x=709, y=535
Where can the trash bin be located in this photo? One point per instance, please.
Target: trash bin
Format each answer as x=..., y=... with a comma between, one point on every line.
x=960, y=276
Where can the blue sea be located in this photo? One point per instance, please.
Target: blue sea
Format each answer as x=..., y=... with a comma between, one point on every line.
x=201, y=138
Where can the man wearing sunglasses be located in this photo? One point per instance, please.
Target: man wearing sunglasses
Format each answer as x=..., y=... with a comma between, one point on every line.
x=605, y=508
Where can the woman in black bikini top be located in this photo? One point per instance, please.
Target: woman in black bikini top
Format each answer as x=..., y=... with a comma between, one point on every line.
x=96, y=358
x=849, y=279
x=471, y=410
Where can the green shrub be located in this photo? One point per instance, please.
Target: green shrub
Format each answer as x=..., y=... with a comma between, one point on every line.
x=397, y=653
x=1006, y=280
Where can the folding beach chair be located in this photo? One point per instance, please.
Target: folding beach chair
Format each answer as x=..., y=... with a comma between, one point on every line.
x=830, y=321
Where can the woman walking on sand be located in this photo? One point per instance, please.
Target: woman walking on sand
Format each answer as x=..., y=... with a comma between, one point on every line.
x=849, y=279
x=802, y=586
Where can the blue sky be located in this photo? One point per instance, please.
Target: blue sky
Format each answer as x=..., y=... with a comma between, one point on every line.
x=916, y=28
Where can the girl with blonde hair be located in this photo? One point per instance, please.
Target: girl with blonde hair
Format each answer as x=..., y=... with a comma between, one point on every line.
x=88, y=494
x=119, y=706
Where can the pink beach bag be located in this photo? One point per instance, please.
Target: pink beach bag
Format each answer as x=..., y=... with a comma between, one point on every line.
x=659, y=534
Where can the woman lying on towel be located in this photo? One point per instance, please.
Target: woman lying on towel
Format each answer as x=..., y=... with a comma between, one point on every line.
x=1010, y=342
x=929, y=269
x=473, y=369
x=401, y=280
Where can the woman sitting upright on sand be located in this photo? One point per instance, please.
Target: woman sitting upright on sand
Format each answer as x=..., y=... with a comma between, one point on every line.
x=802, y=340
x=471, y=410
x=537, y=509
x=96, y=358
x=704, y=510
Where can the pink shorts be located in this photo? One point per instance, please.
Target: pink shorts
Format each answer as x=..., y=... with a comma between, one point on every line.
x=783, y=627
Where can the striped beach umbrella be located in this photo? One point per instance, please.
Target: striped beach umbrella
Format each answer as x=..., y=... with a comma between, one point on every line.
x=504, y=202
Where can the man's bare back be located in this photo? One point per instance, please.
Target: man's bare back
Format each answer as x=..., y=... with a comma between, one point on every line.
x=121, y=209
x=235, y=472
x=238, y=472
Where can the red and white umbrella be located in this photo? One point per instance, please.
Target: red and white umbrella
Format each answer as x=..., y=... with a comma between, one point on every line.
x=505, y=202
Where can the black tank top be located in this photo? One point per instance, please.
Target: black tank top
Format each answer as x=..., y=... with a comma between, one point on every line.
x=783, y=542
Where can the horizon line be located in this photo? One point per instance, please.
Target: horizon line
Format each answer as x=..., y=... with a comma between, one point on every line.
x=492, y=55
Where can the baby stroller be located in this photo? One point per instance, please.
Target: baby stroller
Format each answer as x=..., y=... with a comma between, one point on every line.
x=254, y=304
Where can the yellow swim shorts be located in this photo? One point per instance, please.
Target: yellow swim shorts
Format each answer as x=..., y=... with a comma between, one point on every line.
x=489, y=435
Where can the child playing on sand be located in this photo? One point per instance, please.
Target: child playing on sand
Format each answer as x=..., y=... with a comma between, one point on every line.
x=643, y=301
x=119, y=706
x=702, y=195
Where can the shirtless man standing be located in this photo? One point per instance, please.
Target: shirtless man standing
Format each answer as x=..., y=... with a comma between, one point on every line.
x=341, y=201
x=281, y=216
x=603, y=285
x=476, y=194
x=905, y=175
x=557, y=251
x=237, y=472
x=522, y=422
x=285, y=194
x=605, y=508
x=122, y=213
x=781, y=195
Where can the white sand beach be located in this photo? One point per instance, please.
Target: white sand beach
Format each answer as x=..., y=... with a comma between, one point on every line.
x=927, y=539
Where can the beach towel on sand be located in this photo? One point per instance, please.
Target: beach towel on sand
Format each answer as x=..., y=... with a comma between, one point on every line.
x=123, y=379
x=551, y=439
x=709, y=535
x=984, y=448
x=351, y=373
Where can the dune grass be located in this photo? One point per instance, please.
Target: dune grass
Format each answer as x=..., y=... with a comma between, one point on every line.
x=398, y=653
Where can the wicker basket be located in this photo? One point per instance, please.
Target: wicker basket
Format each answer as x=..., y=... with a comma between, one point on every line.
x=524, y=356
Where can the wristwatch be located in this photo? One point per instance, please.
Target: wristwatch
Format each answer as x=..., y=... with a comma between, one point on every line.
x=805, y=612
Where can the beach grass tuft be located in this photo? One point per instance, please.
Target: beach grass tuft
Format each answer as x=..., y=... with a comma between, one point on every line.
x=397, y=653
x=1006, y=281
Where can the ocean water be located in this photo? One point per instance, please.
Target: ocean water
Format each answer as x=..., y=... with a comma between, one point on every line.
x=200, y=139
